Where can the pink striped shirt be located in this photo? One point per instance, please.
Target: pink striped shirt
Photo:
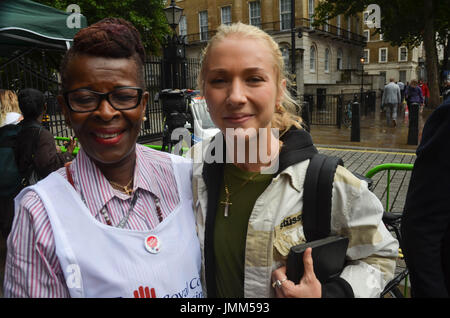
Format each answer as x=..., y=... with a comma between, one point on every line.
x=32, y=267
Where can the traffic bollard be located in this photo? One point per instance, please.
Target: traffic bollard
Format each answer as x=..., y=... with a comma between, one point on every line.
x=413, y=131
x=356, y=129
x=306, y=116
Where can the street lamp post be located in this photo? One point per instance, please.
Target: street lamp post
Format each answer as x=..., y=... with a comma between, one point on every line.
x=174, y=50
x=362, y=60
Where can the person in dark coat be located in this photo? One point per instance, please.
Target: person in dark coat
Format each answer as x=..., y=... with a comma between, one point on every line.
x=426, y=220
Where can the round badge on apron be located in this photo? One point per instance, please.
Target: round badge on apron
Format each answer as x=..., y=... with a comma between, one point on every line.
x=152, y=244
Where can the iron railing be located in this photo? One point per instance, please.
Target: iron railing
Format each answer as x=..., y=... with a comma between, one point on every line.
x=39, y=69
x=303, y=24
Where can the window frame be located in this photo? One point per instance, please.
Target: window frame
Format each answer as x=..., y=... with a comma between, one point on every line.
x=366, y=56
x=327, y=60
x=222, y=15
x=400, y=54
x=379, y=54
x=200, y=25
x=312, y=59
x=368, y=35
x=250, y=18
x=284, y=13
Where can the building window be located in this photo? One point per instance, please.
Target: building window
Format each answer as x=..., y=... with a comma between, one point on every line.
x=286, y=57
x=402, y=76
x=339, y=59
x=255, y=13
x=366, y=56
x=327, y=60
x=382, y=58
x=285, y=14
x=381, y=36
x=349, y=61
x=365, y=17
x=203, y=22
x=367, y=35
x=182, y=27
x=402, y=54
x=312, y=59
x=311, y=12
x=326, y=27
x=225, y=14
x=338, y=24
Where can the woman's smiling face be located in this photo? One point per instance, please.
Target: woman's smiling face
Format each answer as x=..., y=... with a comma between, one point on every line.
x=240, y=84
x=107, y=135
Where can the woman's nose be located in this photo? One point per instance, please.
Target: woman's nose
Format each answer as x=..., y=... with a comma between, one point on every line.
x=237, y=93
x=106, y=111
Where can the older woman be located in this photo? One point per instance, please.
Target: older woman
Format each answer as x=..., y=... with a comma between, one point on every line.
x=118, y=221
x=247, y=196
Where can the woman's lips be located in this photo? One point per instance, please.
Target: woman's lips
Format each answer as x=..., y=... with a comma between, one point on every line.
x=238, y=119
x=108, y=137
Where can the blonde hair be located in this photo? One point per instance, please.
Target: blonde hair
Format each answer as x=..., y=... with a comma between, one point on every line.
x=8, y=104
x=413, y=82
x=285, y=113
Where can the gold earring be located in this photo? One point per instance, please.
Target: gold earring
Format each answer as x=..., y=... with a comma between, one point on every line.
x=144, y=118
x=278, y=108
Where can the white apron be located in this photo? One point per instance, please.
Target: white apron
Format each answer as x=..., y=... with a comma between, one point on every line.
x=103, y=261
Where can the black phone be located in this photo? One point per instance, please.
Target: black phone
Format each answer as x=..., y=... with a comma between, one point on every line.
x=328, y=256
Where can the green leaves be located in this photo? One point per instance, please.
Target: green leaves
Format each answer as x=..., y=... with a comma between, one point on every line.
x=146, y=15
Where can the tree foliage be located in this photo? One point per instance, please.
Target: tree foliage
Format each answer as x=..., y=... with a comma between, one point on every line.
x=146, y=15
x=403, y=22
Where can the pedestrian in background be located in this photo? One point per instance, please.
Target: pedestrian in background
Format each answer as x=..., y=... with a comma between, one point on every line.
x=391, y=99
x=413, y=95
x=425, y=92
x=9, y=108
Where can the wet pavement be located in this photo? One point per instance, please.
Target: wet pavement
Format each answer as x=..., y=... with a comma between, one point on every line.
x=374, y=134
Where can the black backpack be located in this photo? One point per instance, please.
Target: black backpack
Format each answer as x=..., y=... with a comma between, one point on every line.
x=12, y=178
x=318, y=187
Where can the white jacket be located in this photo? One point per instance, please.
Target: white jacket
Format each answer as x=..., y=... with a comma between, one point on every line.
x=356, y=213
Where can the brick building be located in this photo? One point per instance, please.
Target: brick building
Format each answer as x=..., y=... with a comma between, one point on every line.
x=389, y=61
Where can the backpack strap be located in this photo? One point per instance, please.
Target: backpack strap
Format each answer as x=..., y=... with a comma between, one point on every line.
x=317, y=192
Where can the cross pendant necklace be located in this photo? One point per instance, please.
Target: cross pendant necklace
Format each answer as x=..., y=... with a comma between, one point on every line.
x=227, y=202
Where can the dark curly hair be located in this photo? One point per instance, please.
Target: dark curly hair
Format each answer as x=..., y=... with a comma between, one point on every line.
x=110, y=37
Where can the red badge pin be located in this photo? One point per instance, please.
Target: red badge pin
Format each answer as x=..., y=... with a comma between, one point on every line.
x=152, y=244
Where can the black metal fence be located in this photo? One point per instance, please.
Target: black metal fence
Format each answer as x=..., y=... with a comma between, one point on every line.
x=329, y=109
x=39, y=69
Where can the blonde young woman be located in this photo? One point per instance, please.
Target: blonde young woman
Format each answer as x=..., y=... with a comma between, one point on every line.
x=9, y=108
x=242, y=202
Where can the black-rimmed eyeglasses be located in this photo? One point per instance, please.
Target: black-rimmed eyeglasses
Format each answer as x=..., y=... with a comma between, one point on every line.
x=83, y=100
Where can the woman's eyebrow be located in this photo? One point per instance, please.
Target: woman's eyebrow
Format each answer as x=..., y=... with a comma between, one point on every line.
x=246, y=70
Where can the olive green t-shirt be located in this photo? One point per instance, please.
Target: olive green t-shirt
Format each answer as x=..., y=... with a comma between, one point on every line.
x=230, y=232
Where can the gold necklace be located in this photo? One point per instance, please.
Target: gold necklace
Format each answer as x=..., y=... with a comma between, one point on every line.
x=125, y=189
x=228, y=194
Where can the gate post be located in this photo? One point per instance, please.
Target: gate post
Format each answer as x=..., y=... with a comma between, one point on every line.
x=305, y=116
x=356, y=129
x=339, y=107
